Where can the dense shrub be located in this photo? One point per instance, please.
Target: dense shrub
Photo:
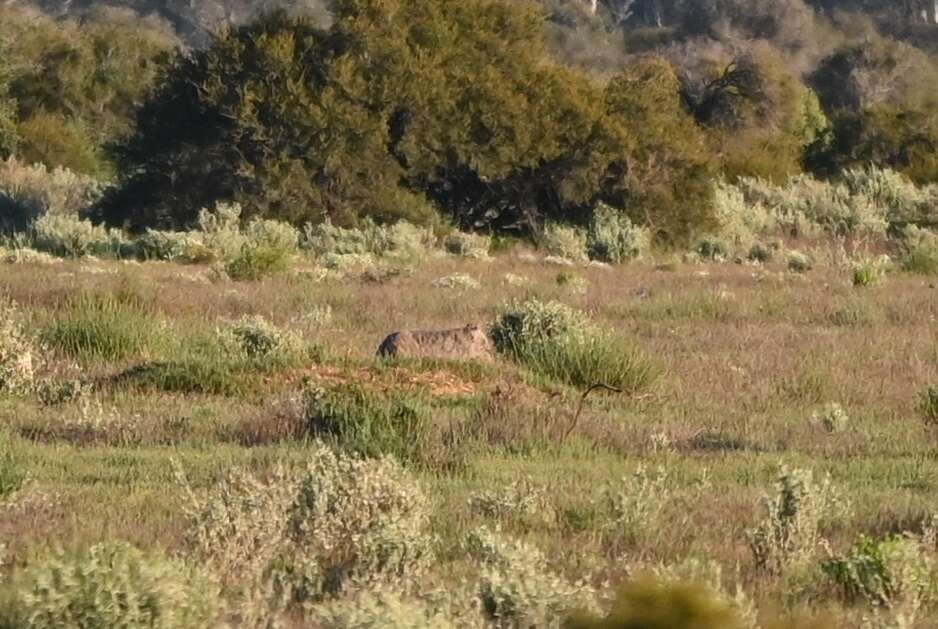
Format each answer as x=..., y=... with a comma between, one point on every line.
x=789, y=533
x=564, y=242
x=650, y=604
x=29, y=191
x=367, y=423
x=18, y=352
x=115, y=585
x=554, y=340
x=884, y=572
x=70, y=237
x=259, y=340
x=517, y=586
x=334, y=525
x=919, y=251
x=613, y=238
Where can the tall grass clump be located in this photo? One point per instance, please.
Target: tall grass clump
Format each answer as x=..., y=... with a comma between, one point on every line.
x=367, y=423
x=870, y=271
x=335, y=525
x=518, y=588
x=560, y=343
x=789, y=533
x=12, y=475
x=636, y=504
x=18, y=352
x=612, y=237
x=113, y=584
x=30, y=191
x=928, y=405
x=101, y=327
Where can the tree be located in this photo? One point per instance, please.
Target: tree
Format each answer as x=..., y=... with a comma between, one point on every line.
x=8, y=135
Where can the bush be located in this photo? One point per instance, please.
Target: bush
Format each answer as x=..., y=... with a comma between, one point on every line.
x=650, y=604
x=70, y=237
x=637, y=503
x=401, y=243
x=18, y=354
x=612, y=237
x=260, y=341
x=799, y=262
x=919, y=251
x=115, y=585
x=466, y=245
x=383, y=609
x=335, y=525
x=870, y=272
x=884, y=572
x=101, y=327
x=517, y=588
x=460, y=281
x=789, y=533
x=28, y=192
x=560, y=343
x=268, y=248
x=368, y=424
x=12, y=475
x=564, y=242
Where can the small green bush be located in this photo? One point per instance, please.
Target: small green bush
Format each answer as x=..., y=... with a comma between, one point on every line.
x=919, y=251
x=69, y=237
x=612, y=237
x=115, y=585
x=650, y=604
x=564, y=242
x=517, y=587
x=799, y=262
x=335, y=525
x=260, y=341
x=883, y=572
x=268, y=248
x=556, y=341
x=870, y=272
x=366, y=423
x=102, y=327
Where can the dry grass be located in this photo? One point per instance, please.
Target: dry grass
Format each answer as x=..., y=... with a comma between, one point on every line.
x=747, y=355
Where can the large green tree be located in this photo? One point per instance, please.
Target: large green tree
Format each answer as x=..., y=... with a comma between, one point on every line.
x=401, y=108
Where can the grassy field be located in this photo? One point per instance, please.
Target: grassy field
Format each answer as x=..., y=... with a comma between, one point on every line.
x=740, y=368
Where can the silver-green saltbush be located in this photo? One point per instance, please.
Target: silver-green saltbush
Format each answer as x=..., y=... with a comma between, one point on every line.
x=258, y=339
x=29, y=191
x=517, y=587
x=564, y=242
x=18, y=353
x=70, y=237
x=386, y=609
x=336, y=525
x=115, y=585
x=612, y=237
x=789, y=532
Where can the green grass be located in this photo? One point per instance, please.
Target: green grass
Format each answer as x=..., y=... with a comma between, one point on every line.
x=102, y=327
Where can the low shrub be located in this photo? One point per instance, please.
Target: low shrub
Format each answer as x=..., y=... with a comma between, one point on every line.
x=366, y=423
x=70, y=237
x=337, y=524
x=384, y=609
x=870, y=272
x=401, y=242
x=102, y=327
x=114, y=585
x=457, y=281
x=612, y=237
x=466, y=245
x=268, y=248
x=884, y=572
x=261, y=342
x=919, y=251
x=559, y=342
x=30, y=191
x=636, y=504
x=52, y=392
x=651, y=604
x=517, y=588
x=799, y=262
x=564, y=242
x=18, y=353
x=789, y=533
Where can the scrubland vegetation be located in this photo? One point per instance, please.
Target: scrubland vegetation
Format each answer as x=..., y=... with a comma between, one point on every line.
x=701, y=237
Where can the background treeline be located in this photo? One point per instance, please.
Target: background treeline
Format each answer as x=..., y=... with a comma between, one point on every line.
x=490, y=113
